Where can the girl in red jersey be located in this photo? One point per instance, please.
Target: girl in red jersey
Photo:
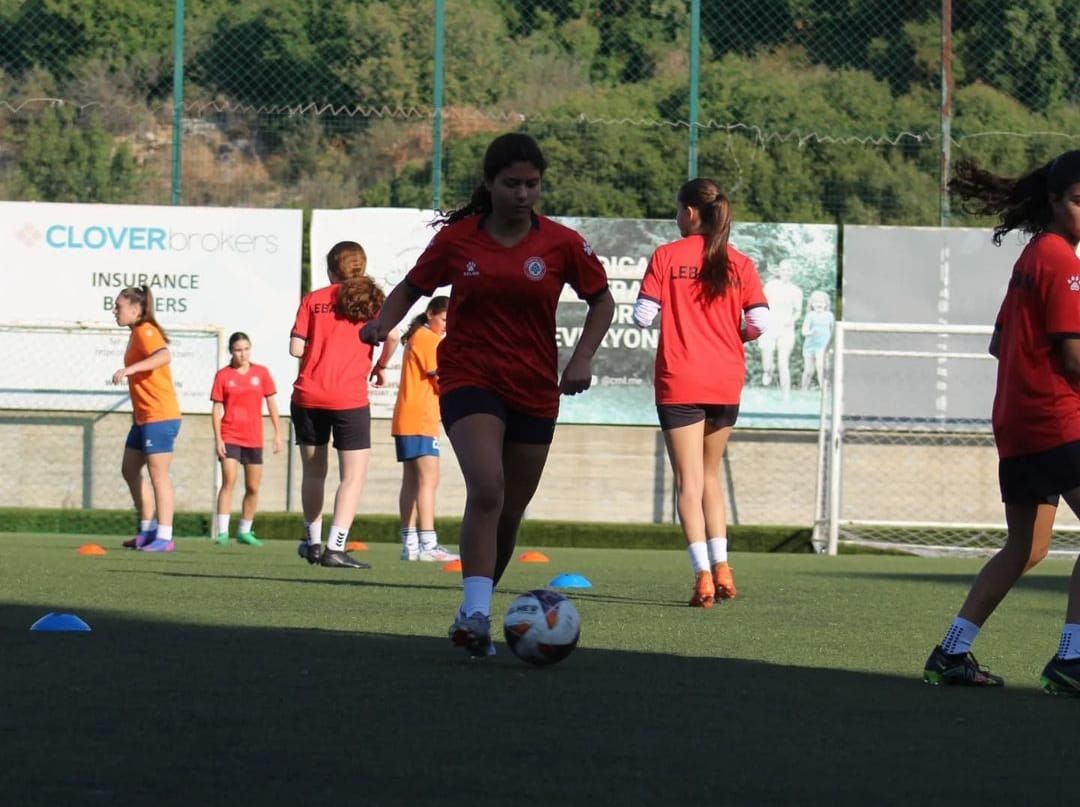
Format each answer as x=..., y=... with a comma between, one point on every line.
x=330, y=396
x=415, y=428
x=238, y=394
x=1036, y=415
x=704, y=290
x=498, y=365
x=156, y=416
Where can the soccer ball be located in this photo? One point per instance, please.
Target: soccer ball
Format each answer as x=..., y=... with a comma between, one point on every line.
x=542, y=627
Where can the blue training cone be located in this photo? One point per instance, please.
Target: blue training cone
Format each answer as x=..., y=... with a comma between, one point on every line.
x=570, y=580
x=60, y=622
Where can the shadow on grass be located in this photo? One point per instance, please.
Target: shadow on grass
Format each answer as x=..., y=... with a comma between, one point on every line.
x=164, y=713
x=1052, y=583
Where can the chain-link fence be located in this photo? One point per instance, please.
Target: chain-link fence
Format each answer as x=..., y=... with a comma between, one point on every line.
x=807, y=110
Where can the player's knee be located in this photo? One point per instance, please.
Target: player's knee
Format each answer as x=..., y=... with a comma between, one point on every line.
x=486, y=497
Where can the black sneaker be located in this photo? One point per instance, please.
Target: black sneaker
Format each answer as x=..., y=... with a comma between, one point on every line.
x=958, y=669
x=312, y=553
x=341, y=559
x=1060, y=677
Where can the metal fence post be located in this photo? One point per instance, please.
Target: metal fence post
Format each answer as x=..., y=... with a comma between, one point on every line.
x=178, y=95
x=437, y=102
x=695, y=67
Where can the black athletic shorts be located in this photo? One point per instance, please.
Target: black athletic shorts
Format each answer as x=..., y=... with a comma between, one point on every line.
x=243, y=454
x=716, y=416
x=1040, y=478
x=520, y=427
x=351, y=427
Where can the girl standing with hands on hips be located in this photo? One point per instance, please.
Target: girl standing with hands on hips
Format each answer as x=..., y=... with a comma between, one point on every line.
x=330, y=396
x=156, y=416
x=710, y=301
x=1036, y=414
x=415, y=428
x=238, y=394
x=498, y=365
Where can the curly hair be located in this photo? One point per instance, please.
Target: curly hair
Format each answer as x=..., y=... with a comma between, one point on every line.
x=359, y=299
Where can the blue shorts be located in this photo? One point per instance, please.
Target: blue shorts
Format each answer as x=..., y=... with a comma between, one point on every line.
x=411, y=446
x=153, y=438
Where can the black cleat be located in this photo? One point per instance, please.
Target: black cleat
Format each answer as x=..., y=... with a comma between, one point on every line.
x=1060, y=677
x=312, y=553
x=341, y=559
x=958, y=669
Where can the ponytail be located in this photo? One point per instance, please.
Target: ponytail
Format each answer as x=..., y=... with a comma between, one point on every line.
x=437, y=306
x=359, y=299
x=714, y=211
x=1020, y=203
x=144, y=298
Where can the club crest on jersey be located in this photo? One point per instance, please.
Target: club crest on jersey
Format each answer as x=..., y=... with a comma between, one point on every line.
x=471, y=270
x=535, y=268
x=1074, y=282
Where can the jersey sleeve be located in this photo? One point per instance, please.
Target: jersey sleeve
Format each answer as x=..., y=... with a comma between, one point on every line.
x=1061, y=292
x=302, y=324
x=433, y=268
x=148, y=340
x=268, y=386
x=217, y=392
x=652, y=285
x=753, y=293
x=584, y=272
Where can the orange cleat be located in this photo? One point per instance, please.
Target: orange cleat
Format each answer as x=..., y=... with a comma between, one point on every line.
x=704, y=593
x=723, y=581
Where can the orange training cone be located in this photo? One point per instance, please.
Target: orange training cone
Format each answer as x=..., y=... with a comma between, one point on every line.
x=534, y=557
x=452, y=566
x=356, y=546
x=91, y=549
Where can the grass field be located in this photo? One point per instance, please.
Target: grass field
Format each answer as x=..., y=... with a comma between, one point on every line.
x=244, y=676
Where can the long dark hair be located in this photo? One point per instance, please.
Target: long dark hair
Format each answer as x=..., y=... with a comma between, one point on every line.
x=143, y=297
x=435, y=306
x=714, y=211
x=503, y=151
x=1021, y=203
x=359, y=297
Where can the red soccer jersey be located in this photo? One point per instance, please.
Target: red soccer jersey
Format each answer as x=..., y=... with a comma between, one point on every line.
x=1035, y=406
x=700, y=359
x=242, y=395
x=501, y=322
x=336, y=365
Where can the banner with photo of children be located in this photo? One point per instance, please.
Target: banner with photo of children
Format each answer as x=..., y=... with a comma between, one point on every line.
x=798, y=268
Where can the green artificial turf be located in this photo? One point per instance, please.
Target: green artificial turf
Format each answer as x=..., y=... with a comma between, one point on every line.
x=244, y=676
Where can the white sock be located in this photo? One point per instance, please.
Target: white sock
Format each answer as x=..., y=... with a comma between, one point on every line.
x=1069, y=647
x=144, y=525
x=314, y=531
x=410, y=538
x=244, y=527
x=699, y=556
x=164, y=532
x=717, y=550
x=338, y=536
x=153, y=524
x=428, y=539
x=477, y=595
x=959, y=637
x=222, y=523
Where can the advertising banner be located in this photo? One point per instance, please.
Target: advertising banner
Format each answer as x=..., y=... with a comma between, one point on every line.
x=231, y=269
x=795, y=261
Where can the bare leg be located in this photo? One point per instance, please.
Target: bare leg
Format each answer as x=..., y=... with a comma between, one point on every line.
x=427, y=482
x=523, y=465
x=313, y=461
x=141, y=495
x=685, y=446
x=1030, y=529
x=715, y=507
x=252, y=481
x=407, y=497
x=352, y=468
x=478, y=442
x=161, y=481
x=229, y=469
